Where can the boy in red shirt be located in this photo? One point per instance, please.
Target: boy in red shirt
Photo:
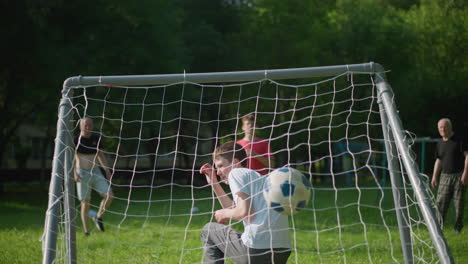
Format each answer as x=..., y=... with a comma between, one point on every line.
x=259, y=156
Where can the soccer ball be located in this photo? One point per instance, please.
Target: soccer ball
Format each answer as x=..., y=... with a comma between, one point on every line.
x=92, y=213
x=194, y=210
x=287, y=191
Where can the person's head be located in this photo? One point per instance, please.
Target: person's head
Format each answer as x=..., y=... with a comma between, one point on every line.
x=228, y=156
x=445, y=127
x=86, y=126
x=248, y=123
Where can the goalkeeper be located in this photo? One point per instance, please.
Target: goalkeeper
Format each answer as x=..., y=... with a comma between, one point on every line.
x=89, y=176
x=266, y=236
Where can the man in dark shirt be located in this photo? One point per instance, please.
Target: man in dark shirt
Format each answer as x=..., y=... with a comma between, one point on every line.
x=88, y=175
x=452, y=166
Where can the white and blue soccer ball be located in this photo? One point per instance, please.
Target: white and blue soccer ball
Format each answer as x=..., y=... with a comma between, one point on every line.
x=287, y=191
x=92, y=213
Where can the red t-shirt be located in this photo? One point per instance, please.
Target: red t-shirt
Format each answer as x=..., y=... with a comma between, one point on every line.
x=261, y=147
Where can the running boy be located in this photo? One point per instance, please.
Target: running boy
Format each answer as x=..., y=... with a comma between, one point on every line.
x=88, y=175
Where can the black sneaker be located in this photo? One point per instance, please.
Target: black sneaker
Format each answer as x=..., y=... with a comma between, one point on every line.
x=87, y=233
x=457, y=230
x=99, y=223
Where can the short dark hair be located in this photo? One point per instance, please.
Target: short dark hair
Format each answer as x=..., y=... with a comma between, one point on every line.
x=249, y=117
x=230, y=151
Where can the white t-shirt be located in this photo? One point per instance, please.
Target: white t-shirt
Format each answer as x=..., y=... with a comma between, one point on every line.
x=268, y=229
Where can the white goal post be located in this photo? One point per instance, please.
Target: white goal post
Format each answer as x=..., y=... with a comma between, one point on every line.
x=299, y=117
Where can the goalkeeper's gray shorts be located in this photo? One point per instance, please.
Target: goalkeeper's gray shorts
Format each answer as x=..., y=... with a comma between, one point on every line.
x=91, y=179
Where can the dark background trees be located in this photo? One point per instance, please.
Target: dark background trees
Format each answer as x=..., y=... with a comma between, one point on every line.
x=423, y=43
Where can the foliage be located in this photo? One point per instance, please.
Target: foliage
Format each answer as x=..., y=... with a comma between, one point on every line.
x=438, y=75
x=423, y=43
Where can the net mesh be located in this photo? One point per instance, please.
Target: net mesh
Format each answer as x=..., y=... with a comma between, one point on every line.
x=156, y=138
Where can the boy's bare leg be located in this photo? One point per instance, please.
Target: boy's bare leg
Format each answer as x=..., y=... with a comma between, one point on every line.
x=105, y=203
x=85, y=215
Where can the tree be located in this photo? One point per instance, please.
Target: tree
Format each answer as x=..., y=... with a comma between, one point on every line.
x=434, y=84
x=54, y=40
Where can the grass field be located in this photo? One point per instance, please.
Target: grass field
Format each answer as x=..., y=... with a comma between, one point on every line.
x=142, y=232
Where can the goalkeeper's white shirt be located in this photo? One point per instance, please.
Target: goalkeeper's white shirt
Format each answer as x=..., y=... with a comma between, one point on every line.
x=268, y=229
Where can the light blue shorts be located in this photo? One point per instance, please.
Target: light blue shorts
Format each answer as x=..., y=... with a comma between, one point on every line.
x=91, y=179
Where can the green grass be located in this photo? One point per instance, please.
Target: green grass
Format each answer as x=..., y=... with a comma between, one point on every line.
x=142, y=232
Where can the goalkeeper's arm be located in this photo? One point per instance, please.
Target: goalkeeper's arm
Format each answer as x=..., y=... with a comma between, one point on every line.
x=212, y=179
x=242, y=210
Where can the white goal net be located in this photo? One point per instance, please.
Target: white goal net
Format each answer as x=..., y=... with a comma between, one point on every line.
x=156, y=136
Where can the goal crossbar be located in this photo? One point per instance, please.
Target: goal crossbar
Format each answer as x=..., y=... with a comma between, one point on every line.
x=222, y=77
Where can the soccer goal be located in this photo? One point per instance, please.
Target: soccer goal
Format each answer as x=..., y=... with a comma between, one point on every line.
x=338, y=125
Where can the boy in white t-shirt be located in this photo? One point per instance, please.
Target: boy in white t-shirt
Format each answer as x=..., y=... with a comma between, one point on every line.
x=266, y=232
